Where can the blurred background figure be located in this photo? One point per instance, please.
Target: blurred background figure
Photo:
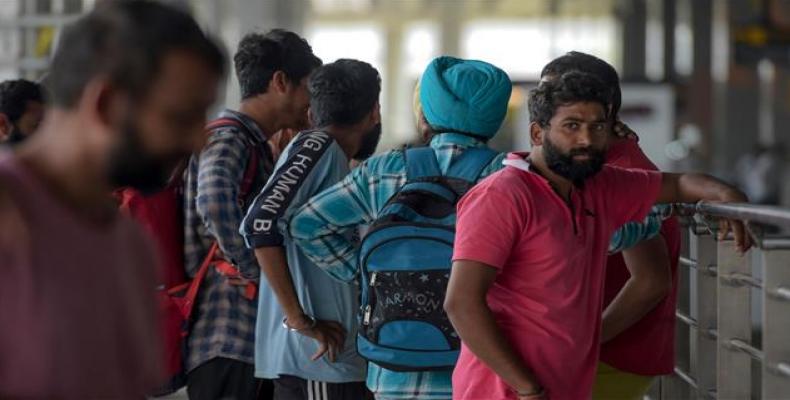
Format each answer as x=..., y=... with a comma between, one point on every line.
x=131, y=85
x=21, y=109
x=761, y=173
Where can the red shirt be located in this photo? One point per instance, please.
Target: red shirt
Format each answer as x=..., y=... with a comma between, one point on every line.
x=647, y=347
x=548, y=293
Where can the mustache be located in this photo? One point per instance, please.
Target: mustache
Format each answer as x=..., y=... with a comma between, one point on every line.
x=585, y=151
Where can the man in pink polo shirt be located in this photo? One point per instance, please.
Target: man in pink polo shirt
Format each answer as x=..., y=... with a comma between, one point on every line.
x=640, y=290
x=526, y=289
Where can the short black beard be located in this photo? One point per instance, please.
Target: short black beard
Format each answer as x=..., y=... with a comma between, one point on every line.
x=131, y=166
x=564, y=165
x=369, y=143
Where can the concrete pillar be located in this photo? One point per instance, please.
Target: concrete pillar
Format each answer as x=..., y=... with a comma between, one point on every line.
x=633, y=16
x=450, y=27
x=669, y=17
x=736, y=101
x=393, y=86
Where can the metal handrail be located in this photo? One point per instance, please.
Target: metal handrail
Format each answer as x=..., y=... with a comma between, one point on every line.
x=738, y=279
x=783, y=369
x=768, y=215
x=687, y=262
x=780, y=243
x=686, y=319
x=747, y=348
x=781, y=293
x=692, y=323
x=686, y=377
x=702, y=219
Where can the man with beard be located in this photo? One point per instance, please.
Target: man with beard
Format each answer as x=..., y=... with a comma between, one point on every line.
x=272, y=70
x=526, y=288
x=131, y=83
x=640, y=293
x=306, y=320
x=21, y=109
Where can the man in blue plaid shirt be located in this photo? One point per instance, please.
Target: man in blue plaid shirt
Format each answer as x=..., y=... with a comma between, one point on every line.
x=272, y=69
x=463, y=103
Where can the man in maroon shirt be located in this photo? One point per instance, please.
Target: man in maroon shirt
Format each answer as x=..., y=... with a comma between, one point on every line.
x=638, y=332
x=131, y=83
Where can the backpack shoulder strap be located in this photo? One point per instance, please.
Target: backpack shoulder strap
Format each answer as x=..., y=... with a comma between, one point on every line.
x=471, y=163
x=223, y=122
x=250, y=172
x=420, y=163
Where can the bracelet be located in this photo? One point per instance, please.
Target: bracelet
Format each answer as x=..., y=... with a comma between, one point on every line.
x=313, y=322
x=535, y=392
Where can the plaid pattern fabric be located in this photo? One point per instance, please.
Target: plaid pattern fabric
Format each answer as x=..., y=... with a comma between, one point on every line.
x=630, y=234
x=318, y=228
x=224, y=324
x=319, y=225
x=391, y=385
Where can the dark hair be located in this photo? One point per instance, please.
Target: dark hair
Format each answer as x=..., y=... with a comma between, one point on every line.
x=583, y=62
x=14, y=96
x=126, y=41
x=261, y=55
x=571, y=87
x=343, y=92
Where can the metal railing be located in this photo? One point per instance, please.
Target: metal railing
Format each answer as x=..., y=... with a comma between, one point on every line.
x=733, y=313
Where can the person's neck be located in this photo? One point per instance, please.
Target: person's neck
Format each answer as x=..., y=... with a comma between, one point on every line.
x=346, y=138
x=59, y=157
x=561, y=185
x=263, y=111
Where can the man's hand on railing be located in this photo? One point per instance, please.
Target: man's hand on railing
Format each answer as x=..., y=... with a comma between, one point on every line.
x=693, y=187
x=743, y=241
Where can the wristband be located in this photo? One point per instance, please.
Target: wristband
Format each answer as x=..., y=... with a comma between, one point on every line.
x=312, y=324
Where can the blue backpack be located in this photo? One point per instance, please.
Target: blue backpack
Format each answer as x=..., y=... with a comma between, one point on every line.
x=405, y=260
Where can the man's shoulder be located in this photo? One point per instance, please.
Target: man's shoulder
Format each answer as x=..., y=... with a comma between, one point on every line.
x=309, y=149
x=509, y=182
x=628, y=182
x=611, y=173
x=313, y=144
x=387, y=163
x=230, y=137
x=628, y=154
x=508, y=175
x=304, y=167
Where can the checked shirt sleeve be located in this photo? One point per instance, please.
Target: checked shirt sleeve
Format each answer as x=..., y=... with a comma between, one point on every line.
x=321, y=227
x=220, y=172
x=630, y=234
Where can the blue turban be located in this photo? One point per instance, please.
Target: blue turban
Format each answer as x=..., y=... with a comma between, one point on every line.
x=464, y=95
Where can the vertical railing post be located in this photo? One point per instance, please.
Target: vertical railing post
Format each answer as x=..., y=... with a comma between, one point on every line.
x=734, y=322
x=776, y=320
x=707, y=308
x=672, y=386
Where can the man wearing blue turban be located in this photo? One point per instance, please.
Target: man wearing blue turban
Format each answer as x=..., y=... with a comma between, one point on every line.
x=463, y=104
x=464, y=96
